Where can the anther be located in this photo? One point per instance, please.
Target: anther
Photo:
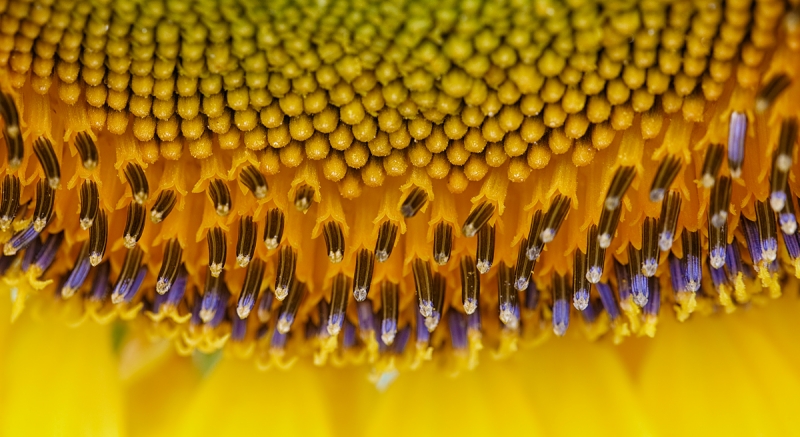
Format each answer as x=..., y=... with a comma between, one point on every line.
x=717, y=242
x=303, y=197
x=140, y=189
x=619, y=185
x=238, y=329
x=9, y=203
x=90, y=202
x=43, y=149
x=390, y=302
x=534, y=242
x=250, y=288
x=46, y=253
x=100, y=283
x=264, y=309
x=362, y=278
x=507, y=298
x=387, y=234
x=524, y=267
x=77, y=276
x=45, y=198
x=781, y=164
x=442, y=243
x=751, y=233
x=217, y=248
x=623, y=274
x=98, y=237
x=289, y=308
x=485, y=251
x=676, y=274
x=11, y=131
x=792, y=242
x=173, y=252
x=87, y=150
x=787, y=218
x=457, y=323
x=273, y=229
x=649, y=247
x=719, y=202
x=423, y=282
x=668, y=220
x=609, y=300
x=338, y=309
x=737, y=131
x=690, y=265
x=130, y=277
x=711, y=164
x=220, y=197
x=609, y=220
x=580, y=299
x=771, y=91
x=366, y=320
x=254, y=181
x=415, y=200
x=163, y=206
x=211, y=297
x=554, y=218
x=654, y=303
x=476, y=219
x=638, y=279
x=134, y=225
x=667, y=172
x=470, y=284
x=246, y=243
x=561, y=299
x=767, y=232
x=438, y=286
x=334, y=241
x=531, y=296
x=173, y=297
x=287, y=261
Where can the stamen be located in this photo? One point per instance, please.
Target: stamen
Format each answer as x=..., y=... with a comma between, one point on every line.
x=349, y=337
x=43, y=149
x=654, y=303
x=334, y=241
x=246, y=243
x=173, y=252
x=238, y=329
x=265, y=305
x=524, y=267
x=609, y=300
x=667, y=172
x=134, y=225
x=30, y=254
x=401, y=340
x=771, y=91
x=217, y=248
x=638, y=279
x=362, y=279
x=507, y=298
x=751, y=233
x=649, y=247
x=77, y=276
x=387, y=234
x=250, y=288
x=792, y=242
x=277, y=344
x=45, y=198
x=321, y=331
x=11, y=131
x=554, y=218
x=47, y=252
x=485, y=251
x=458, y=330
x=531, y=296
x=560, y=304
x=100, y=284
x=737, y=132
x=442, y=243
x=767, y=231
x=390, y=302
x=163, y=206
x=254, y=181
x=534, y=242
x=10, y=201
x=366, y=322
x=591, y=312
x=717, y=241
x=140, y=189
x=609, y=220
x=90, y=203
x=711, y=164
x=470, y=284
x=423, y=283
x=690, y=265
x=87, y=150
x=289, y=308
x=439, y=285
x=287, y=260
x=719, y=202
x=303, y=197
x=173, y=297
x=415, y=200
x=211, y=298
x=479, y=216
x=787, y=218
x=220, y=197
x=668, y=220
x=338, y=303
x=596, y=257
x=580, y=299
x=623, y=274
x=619, y=185
x=781, y=164
x=98, y=237
x=273, y=229
x=130, y=277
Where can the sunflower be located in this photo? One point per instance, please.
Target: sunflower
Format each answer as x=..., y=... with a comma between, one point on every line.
x=399, y=187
